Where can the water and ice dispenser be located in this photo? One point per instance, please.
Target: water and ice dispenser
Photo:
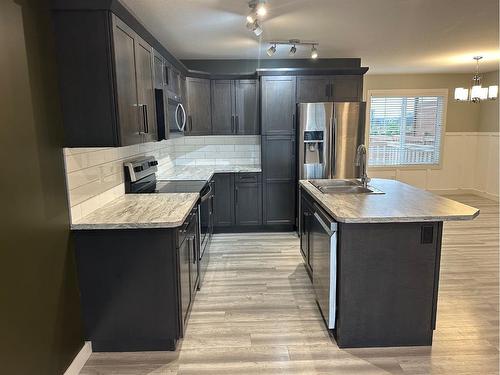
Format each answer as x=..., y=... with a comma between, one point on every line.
x=313, y=153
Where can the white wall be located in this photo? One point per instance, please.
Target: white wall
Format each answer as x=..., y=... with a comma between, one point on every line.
x=470, y=164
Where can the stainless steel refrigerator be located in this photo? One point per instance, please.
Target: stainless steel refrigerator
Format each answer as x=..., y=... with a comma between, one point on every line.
x=329, y=134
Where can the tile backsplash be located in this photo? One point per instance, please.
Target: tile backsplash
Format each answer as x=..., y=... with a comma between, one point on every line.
x=95, y=176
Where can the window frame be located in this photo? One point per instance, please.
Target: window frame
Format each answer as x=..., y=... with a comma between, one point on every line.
x=407, y=92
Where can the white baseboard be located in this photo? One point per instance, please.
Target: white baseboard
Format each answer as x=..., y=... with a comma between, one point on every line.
x=80, y=359
x=459, y=191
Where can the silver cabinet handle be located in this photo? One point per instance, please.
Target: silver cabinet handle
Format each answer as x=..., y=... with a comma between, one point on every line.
x=145, y=117
x=237, y=124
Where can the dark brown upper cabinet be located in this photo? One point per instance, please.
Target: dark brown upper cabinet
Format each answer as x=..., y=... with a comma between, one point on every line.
x=146, y=89
x=106, y=80
x=199, y=119
x=278, y=105
x=235, y=106
x=340, y=88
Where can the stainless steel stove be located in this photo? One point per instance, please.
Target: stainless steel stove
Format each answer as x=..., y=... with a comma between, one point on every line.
x=140, y=178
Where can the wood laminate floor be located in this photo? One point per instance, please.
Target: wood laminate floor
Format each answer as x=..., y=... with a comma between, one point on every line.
x=256, y=314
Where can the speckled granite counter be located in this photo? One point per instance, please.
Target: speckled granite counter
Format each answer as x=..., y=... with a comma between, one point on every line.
x=205, y=172
x=140, y=211
x=400, y=203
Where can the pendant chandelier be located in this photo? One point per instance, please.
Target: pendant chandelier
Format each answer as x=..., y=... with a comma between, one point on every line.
x=477, y=92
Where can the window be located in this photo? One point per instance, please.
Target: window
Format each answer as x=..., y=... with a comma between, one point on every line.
x=406, y=128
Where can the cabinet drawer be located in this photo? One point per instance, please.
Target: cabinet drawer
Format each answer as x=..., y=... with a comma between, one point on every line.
x=248, y=177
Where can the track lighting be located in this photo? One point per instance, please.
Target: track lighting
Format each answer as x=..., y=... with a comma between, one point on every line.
x=255, y=27
x=261, y=8
x=258, y=9
x=314, y=52
x=271, y=50
x=293, y=49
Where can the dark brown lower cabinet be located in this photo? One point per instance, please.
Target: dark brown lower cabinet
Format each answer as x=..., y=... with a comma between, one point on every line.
x=279, y=203
x=237, y=202
x=137, y=285
x=224, y=200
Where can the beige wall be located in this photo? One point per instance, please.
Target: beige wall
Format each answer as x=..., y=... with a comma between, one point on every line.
x=488, y=113
x=461, y=117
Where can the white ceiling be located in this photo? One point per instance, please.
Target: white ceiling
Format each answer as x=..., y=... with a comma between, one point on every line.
x=390, y=36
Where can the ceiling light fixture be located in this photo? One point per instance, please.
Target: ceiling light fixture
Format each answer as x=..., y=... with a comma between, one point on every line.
x=477, y=92
x=293, y=43
x=271, y=50
x=314, y=52
x=257, y=9
x=255, y=27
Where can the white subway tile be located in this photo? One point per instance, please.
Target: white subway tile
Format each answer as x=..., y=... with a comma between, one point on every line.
x=82, y=177
x=76, y=162
x=205, y=162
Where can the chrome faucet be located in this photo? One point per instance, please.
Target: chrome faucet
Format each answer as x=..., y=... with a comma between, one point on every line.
x=361, y=162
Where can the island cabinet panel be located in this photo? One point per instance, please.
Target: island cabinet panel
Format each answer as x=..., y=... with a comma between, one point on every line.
x=278, y=105
x=199, y=112
x=387, y=283
x=305, y=229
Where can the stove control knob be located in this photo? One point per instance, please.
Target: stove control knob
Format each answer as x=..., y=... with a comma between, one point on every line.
x=138, y=168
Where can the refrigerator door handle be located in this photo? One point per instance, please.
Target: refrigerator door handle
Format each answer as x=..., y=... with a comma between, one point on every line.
x=333, y=146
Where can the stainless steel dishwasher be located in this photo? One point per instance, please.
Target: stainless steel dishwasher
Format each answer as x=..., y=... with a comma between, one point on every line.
x=323, y=245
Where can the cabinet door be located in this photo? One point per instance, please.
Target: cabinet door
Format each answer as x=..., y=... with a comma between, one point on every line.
x=311, y=89
x=278, y=157
x=247, y=106
x=348, y=88
x=223, y=119
x=158, y=65
x=199, y=111
x=279, y=202
x=278, y=105
x=124, y=44
x=305, y=225
x=145, y=89
x=184, y=269
x=224, y=200
x=248, y=204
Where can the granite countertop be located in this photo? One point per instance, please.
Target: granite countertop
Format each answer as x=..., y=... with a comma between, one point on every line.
x=400, y=203
x=205, y=172
x=140, y=211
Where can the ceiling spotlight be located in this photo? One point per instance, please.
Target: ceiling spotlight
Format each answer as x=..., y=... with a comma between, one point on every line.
x=314, y=52
x=250, y=18
x=261, y=8
x=292, y=50
x=255, y=27
x=271, y=50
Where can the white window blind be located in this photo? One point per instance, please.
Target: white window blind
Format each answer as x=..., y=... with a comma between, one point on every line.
x=405, y=130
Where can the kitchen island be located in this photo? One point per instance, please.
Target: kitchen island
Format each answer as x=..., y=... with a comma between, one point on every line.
x=374, y=260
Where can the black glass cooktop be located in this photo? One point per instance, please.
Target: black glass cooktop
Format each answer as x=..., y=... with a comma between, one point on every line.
x=181, y=186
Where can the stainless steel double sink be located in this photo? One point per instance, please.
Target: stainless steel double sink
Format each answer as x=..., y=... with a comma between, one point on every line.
x=343, y=187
